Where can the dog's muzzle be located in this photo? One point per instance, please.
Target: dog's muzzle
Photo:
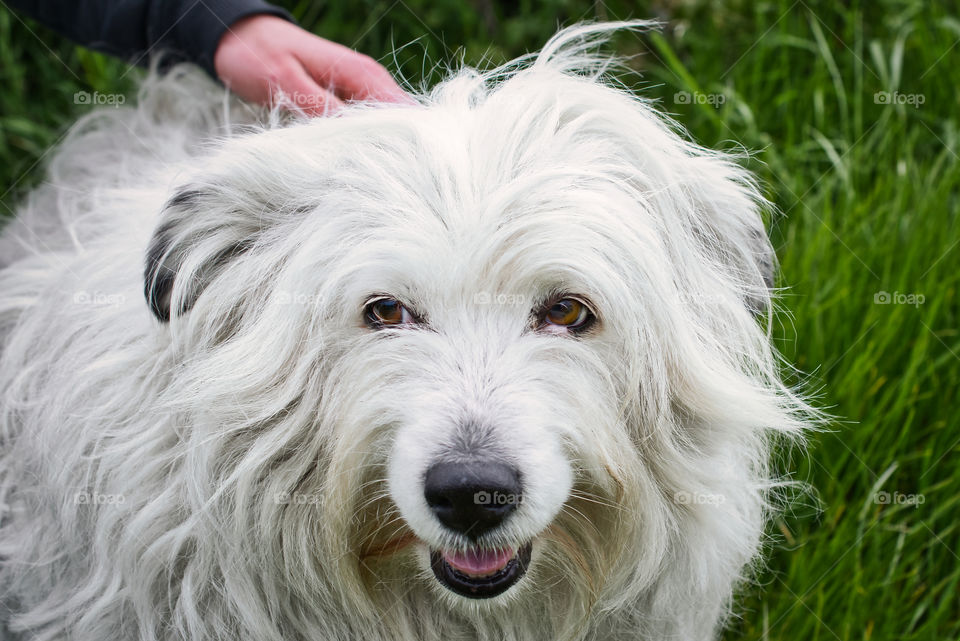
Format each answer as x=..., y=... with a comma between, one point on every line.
x=472, y=499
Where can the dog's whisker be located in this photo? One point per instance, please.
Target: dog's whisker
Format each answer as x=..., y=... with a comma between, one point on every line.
x=589, y=498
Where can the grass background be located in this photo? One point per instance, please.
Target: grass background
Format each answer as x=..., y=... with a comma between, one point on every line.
x=869, y=196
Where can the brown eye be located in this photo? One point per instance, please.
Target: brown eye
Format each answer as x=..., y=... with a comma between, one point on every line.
x=387, y=311
x=567, y=314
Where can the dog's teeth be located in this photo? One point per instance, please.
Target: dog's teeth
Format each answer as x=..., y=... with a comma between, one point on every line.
x=479, y=562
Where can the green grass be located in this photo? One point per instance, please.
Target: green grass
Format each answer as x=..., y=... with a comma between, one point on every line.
x=869, y=200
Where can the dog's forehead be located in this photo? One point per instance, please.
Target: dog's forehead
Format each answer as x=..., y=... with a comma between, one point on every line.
x=444, y=174
x=484, y=224
x=517, y=195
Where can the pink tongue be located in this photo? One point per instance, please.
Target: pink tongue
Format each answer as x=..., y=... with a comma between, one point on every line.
x=479, y=562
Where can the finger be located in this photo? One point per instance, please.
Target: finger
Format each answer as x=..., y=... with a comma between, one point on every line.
x=301, y=92
x=351, y=75
x=363, y=78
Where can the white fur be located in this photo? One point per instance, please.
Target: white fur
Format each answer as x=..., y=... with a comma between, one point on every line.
x=141, y=462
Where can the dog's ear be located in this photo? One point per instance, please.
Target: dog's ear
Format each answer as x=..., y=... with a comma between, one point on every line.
x=728, y=221
x=744, y=248
x=194, y=242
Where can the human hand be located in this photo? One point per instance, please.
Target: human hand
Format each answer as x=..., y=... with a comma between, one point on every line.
x=263, y=56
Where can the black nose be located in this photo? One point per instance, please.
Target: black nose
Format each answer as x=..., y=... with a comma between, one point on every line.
x=472, y=498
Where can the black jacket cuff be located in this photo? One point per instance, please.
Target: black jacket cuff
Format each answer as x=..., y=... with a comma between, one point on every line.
x=197, y=32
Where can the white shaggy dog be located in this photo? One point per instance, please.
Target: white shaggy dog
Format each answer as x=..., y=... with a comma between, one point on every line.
x=485, y=367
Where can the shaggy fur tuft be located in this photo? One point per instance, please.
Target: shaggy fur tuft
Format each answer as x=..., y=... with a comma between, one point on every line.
x=201, y=440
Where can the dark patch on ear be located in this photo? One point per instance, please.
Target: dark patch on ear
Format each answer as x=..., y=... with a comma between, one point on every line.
x=158, y=278
x=184, y=199
x=166, y=253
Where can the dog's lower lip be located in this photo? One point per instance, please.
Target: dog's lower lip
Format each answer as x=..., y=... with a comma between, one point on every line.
x=480, y=575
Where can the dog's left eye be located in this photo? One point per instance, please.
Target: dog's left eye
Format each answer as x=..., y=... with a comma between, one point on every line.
x=567, y=314
x=382, y=312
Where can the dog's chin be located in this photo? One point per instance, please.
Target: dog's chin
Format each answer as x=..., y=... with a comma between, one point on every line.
x=480, y=573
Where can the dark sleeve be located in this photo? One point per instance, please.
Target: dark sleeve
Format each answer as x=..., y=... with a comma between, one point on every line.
x=137, y=29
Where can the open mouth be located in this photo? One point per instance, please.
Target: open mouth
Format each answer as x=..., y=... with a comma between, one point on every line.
x=480, y=574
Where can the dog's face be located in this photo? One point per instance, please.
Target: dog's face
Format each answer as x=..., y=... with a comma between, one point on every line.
x=498, y=353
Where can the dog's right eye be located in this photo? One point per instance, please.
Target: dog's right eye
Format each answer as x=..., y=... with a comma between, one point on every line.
x=383, y=312
x=567, y=315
